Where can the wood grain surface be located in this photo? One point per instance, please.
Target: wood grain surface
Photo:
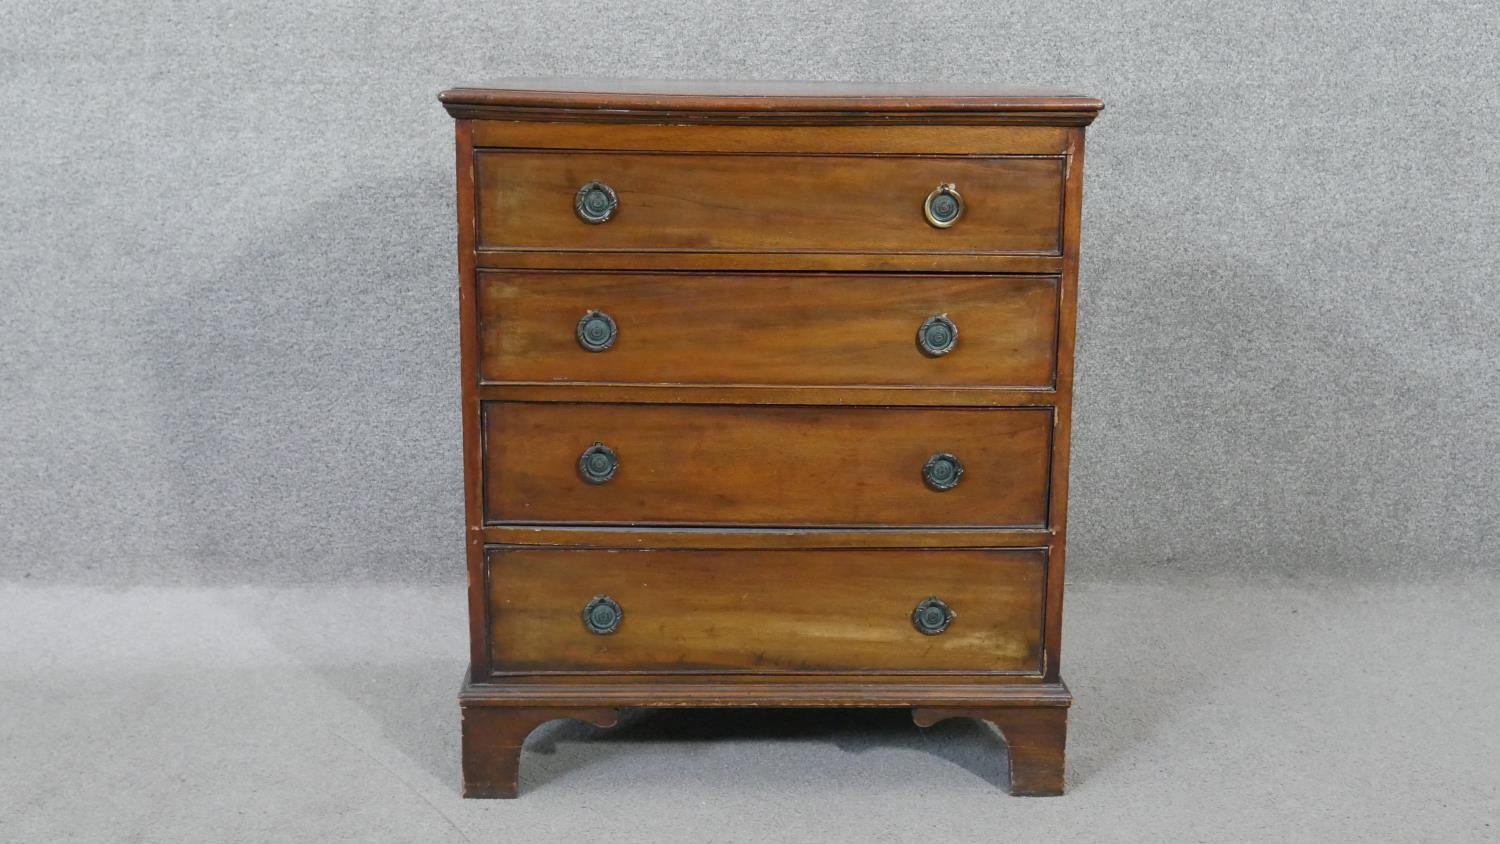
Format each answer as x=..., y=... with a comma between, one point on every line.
x=765, y=465
x=766, y=611
x=768, y=203
x=808, y=329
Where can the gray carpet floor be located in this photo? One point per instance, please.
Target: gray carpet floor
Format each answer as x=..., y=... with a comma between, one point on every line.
x=1212, y=712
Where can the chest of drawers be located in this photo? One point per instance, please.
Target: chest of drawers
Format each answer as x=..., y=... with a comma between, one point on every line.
x=766, y=401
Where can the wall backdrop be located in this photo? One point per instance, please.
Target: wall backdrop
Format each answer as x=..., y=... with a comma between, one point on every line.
x=228, y=316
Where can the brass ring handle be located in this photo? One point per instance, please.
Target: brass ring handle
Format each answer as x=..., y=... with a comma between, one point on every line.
x=942, y=472
x=943, y=206
x=595, y=202
x=932, y=617
x=598, y=464
x=937, y=336
x=597, y=331
x=602, y=616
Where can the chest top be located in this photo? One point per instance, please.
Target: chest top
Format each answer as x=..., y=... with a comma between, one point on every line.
x=770, y=102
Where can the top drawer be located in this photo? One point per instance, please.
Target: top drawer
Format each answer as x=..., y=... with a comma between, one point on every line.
x=768, y=203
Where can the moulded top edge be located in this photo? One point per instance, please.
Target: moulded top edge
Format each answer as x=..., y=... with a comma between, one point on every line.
x=606, y=99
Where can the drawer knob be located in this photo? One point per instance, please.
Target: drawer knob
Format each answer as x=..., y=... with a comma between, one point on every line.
x=596, y=331
x=942, y=472
x=596, y=202
x=932, y=617
x=937, y=336
x=602, y=615
x=943, y=206
x=598, y=463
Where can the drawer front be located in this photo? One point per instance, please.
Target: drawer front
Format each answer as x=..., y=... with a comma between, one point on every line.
x=571, y=610
x=767, y=203
x=755, y=465
x=768, y=329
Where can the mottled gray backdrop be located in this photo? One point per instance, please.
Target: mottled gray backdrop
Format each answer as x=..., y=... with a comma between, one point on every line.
x=228, y=341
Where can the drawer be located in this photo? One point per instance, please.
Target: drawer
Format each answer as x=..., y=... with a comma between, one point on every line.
x=573, y=610
x=757, y=465
x=784, y=329
x=527, y=200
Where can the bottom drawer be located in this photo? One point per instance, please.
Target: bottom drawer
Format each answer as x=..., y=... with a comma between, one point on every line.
x=742, y=611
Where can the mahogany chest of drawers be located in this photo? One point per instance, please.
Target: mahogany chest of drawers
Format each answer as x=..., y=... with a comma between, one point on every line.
x=766, y=402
